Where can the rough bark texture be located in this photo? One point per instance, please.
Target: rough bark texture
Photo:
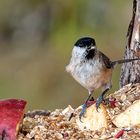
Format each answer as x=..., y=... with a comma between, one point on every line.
x=131, y=71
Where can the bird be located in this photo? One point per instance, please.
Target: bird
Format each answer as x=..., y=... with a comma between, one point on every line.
x=92, y=69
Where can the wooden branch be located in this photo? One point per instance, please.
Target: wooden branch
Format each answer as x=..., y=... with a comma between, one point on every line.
x=131, y=71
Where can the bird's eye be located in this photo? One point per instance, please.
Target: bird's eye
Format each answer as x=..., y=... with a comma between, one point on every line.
x=80, y=45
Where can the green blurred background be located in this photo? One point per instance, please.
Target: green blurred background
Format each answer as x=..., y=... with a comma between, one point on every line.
x=36, y=39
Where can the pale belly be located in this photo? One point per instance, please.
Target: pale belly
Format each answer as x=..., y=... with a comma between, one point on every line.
x=92, y=76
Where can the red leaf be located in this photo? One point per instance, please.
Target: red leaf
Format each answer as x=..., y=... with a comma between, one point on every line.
x=11, y=113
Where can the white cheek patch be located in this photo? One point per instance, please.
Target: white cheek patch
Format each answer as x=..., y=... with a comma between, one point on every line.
x=78, y=52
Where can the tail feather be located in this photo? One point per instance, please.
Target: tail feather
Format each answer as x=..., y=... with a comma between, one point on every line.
x=124, y=61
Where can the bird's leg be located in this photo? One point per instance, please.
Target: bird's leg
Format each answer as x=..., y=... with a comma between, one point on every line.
x=84, y=106
x=101, y=97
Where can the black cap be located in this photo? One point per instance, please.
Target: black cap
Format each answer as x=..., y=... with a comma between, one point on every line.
x=85, y=41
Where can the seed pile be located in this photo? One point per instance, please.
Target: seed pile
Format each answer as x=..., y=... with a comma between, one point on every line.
x=123, y=98
x=61, y=124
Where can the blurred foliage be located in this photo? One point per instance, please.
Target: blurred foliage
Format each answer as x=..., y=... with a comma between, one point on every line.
x=36, y=39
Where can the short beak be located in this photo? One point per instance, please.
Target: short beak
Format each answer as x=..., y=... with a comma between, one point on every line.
x=93, y=47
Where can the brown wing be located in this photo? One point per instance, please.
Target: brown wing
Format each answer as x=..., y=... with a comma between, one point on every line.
x=105, y=60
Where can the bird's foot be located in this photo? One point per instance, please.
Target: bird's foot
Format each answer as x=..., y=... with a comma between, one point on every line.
x=99, y=101
x=101, y=98
x=84, y=107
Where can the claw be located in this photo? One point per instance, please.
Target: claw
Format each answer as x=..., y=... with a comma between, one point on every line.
x=84, y=107
x=98, y=102
x=101, y=98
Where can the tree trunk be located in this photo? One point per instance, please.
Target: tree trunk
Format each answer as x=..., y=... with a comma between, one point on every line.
x=131, y=71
